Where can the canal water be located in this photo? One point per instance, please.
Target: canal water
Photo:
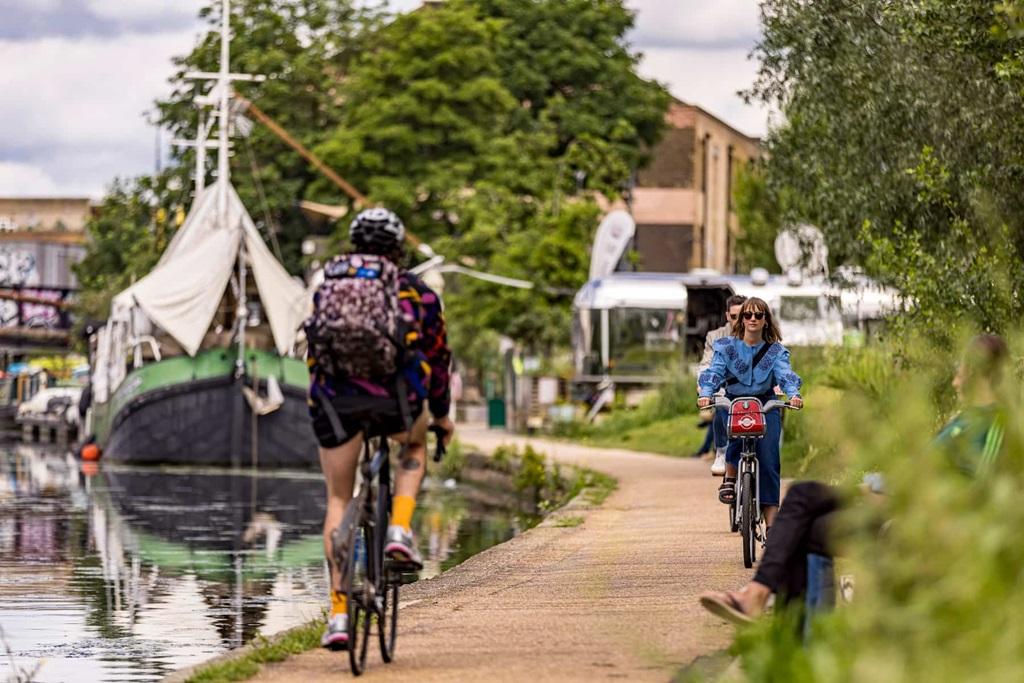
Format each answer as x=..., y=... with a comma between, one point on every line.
x=121, y=574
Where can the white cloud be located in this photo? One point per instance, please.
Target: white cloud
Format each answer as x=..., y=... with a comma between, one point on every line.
x=24, y=180
x=665, y=23
x=137, y=11
x=72, y=115
x=709, y=79
x=75, y=106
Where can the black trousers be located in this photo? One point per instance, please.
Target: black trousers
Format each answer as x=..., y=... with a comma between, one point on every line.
x=802, y=527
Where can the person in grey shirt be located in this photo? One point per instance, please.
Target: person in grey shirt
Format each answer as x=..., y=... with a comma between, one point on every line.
x=717, y=426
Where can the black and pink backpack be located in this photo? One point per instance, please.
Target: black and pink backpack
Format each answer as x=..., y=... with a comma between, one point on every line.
x=356, y=326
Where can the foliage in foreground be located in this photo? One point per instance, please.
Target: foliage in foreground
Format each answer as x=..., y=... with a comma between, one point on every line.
x=937, y=562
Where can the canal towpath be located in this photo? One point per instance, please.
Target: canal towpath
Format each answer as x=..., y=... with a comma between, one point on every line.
x=605, y=592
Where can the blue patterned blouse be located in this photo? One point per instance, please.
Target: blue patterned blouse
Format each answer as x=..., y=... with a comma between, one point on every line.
x=733, y=358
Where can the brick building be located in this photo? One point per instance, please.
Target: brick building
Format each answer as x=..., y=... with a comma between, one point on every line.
x=682, y=203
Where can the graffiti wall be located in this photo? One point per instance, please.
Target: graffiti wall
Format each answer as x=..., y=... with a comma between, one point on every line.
x=18, y=267
x=39, y=272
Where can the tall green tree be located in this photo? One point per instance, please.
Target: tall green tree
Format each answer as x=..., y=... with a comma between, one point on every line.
x=899, y=122
x=568, y=65
x=426, y=116
x=476, y=121
x=133, y=225
x=761, y=209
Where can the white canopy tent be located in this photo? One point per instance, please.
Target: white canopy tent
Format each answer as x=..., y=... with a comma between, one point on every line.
x=182, y=293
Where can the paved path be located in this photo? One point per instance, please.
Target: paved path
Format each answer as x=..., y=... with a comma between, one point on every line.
x=612, y=598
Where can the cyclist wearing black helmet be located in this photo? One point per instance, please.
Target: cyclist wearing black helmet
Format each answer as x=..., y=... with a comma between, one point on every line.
x=377, y=338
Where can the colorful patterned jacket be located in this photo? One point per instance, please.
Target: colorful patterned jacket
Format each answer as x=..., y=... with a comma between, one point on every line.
x=427, y=367
x=733, y=358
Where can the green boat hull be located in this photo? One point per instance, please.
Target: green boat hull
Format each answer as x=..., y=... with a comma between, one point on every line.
x=192, y=411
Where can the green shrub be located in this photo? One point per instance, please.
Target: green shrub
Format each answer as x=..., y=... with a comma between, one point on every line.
x=938, y=586
x=453, y=462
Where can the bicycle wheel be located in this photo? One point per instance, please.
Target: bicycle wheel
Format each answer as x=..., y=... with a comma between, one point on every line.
x=388, y=582
x=748, y=518
x=387, y=619
x=354, y=580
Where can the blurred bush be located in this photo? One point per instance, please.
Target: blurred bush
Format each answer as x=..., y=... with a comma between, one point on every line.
x=938, y=590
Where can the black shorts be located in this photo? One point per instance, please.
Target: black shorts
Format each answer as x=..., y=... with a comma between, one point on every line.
x=379, y=415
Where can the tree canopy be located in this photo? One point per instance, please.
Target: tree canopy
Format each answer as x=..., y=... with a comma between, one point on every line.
x=488, y=125
x=898, y=141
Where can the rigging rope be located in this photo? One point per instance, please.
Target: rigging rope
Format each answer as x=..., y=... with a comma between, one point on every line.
x=267, y=218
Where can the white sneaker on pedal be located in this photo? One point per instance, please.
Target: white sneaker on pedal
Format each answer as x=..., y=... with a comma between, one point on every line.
x=718, y=466
x=335, y=637
x=401, y=547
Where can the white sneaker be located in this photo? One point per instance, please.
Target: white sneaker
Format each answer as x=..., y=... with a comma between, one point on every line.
x=401, y=547
x=335, y=637
x=718, y=466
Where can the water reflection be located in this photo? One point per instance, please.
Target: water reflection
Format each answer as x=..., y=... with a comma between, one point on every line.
x=127, y=574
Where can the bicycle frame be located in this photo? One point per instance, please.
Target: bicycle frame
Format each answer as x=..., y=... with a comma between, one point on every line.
x=748, y=463
x=375, y=465
x=754, y=531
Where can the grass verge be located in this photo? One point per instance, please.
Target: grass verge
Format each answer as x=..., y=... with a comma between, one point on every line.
x=246, y=664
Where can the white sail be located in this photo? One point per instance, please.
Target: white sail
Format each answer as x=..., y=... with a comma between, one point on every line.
x=182, y=293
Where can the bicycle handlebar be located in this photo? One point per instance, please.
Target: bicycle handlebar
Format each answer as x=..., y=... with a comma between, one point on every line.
x=772, y=405
x=439, y=432
x=723, y=402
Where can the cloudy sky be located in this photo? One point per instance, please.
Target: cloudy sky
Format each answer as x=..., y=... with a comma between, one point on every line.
x=77, y=76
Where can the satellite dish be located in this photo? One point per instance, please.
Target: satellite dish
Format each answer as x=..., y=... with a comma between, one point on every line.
x=610, y=242
x=802, y=248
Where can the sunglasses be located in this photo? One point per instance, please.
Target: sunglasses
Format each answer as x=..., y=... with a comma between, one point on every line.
x=733, y=316
x=747, y=315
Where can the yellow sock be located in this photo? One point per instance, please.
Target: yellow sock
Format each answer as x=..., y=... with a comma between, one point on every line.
x=401, y=511
x=339, y=603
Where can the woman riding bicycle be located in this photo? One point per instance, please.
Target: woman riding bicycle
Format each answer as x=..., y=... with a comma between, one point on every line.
x=335, y=400
x=751, y=362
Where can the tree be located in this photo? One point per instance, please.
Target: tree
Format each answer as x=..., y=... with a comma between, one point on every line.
x=126, y=237
x=551, y=257
x=898, y=119
x=760, y=210
x=568, y=65
x=427, y=116
x=472, y=120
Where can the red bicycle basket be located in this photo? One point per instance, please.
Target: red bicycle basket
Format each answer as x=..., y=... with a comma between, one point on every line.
x=746, y=418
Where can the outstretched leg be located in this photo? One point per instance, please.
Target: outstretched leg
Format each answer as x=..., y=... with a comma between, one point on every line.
x=802, y=526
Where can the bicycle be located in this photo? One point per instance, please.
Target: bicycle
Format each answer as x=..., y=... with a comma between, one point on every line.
x=370, y=580
x=747, y=423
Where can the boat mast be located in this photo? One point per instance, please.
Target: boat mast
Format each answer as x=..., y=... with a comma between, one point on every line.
x=224, y=176
x=222, y=92
x=201, y=144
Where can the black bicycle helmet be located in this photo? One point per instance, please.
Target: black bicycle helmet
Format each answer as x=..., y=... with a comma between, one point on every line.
x=377, y=231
